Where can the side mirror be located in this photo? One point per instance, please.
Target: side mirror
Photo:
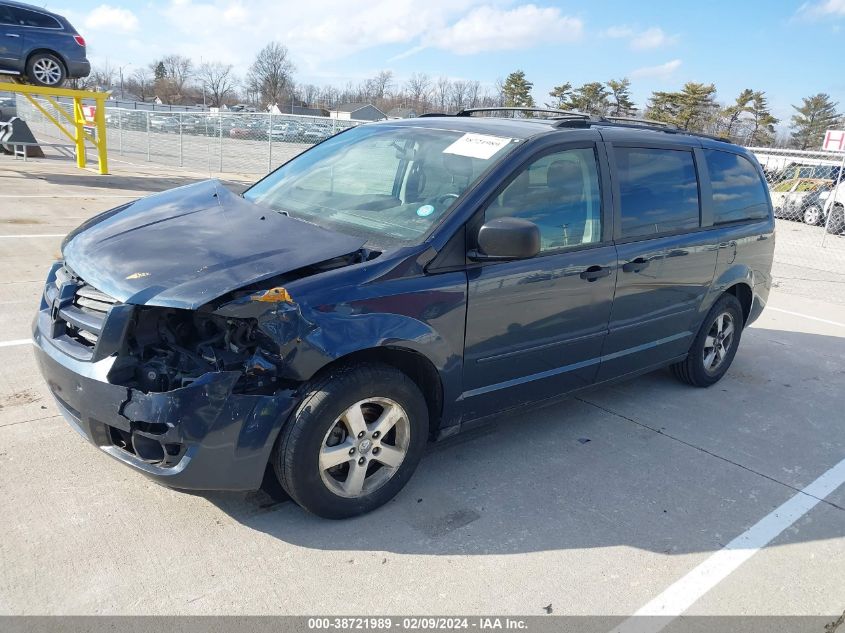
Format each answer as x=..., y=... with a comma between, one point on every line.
x=507, y=238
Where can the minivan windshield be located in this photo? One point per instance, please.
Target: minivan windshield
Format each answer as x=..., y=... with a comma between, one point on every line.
x=387, y=183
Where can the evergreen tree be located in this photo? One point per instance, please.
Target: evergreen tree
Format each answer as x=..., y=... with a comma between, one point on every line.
x=812, y=119
x=763, y=122
x=590, y=98
x=734, y=112
x=561, y=95
x=620, y=97
x=517, y=91
x=159, y=71
x=690, y=109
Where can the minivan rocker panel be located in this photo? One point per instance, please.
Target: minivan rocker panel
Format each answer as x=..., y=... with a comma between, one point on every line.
x=320, y=331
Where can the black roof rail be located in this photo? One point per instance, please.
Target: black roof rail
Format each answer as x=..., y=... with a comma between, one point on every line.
x=565, y=113
x=641, y=120
x=636, y=123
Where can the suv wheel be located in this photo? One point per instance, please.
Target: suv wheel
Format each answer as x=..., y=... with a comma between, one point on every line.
x=354, y=441
x=715, y=346
x=812, y=215
x=44, y=69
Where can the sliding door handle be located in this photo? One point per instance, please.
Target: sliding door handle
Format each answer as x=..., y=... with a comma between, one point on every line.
x=595, y=272
x=636, y=265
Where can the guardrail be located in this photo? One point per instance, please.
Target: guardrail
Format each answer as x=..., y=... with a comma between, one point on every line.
x=40, y=97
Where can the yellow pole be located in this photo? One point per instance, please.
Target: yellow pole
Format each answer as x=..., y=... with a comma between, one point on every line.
x=79, y=123
x=100, y=121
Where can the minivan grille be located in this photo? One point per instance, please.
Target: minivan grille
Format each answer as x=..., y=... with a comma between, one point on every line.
x=80, y=310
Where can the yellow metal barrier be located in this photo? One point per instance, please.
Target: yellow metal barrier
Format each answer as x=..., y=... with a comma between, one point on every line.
x=78, y=136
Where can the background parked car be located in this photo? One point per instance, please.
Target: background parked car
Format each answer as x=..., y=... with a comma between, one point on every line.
x=40, y=46
x=814, y=212
x=164, y=123
x=790, y=197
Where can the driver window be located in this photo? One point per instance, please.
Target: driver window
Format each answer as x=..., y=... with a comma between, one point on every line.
x=560, y=194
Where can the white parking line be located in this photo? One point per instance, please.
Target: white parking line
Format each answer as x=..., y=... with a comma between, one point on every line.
x=682, y=594
x=39, y=235
x=20, y=341
x=806, y=316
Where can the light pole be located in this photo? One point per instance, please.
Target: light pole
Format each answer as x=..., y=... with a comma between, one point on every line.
x=120, y=72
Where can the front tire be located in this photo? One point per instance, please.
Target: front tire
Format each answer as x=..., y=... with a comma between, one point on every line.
x=812, y=215
x=714, y=348
x=353, y=442
x=44, y=69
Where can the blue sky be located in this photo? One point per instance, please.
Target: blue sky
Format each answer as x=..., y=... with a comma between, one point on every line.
x=789, y=49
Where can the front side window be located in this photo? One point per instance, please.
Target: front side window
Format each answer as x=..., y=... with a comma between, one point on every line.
x=738, y=190
x=389, y=184
x=560, y=194
x=659, y=190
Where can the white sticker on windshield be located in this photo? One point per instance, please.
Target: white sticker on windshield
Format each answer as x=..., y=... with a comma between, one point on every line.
x=477, y=146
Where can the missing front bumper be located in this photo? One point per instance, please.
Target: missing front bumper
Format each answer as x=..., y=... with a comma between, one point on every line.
x=209, y=437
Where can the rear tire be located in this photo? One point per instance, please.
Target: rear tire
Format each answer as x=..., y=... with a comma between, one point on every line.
x=44, y=69
x=714, y=348
x=836, y=222
x=353, y=442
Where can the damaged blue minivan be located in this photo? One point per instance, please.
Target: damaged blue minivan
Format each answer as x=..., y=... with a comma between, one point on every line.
x=396, y=284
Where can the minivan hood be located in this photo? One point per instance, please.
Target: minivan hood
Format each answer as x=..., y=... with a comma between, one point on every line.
x=187, y=246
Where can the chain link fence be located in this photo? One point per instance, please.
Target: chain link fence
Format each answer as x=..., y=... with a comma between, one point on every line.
x=810, y=244
x=808, y=200
x=235, y=142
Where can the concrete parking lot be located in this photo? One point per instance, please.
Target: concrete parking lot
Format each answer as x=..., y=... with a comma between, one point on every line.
x=597, y=505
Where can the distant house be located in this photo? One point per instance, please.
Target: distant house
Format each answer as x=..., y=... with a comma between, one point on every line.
x=357, y=112
x=402, y=113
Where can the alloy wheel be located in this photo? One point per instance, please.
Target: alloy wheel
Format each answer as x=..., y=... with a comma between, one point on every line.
x=718, y=342
x=47, y=71
x=812, y=215
x=364, y=447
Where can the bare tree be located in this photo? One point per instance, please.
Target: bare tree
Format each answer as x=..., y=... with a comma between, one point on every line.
x=458, y=94
x=178, y=69
x=472, y=94
x=442, y=90
x=102, y=76
x=380, y=86
x=141, y=83
x=418, y=87
x=270, y=75
x=218, y=80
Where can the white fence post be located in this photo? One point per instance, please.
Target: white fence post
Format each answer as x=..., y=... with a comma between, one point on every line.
x=181, y=152
x=270, y=142
x=148, y=135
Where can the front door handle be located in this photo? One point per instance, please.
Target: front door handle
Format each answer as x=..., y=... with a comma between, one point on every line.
x=12, y=35
x=636, y=265
x=595, y=272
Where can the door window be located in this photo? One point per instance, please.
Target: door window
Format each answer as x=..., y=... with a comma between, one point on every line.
x=560, y=194
x=659, y=190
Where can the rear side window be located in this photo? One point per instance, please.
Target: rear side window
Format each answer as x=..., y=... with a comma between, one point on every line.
x=738, y=190
x=659, y=190
x=33, y=18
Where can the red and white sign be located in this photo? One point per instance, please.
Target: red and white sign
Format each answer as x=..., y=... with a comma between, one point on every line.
x=88, y=112
x=834, y=140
